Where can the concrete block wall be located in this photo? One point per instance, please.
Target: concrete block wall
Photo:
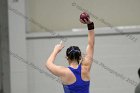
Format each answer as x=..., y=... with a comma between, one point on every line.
x=115, y=68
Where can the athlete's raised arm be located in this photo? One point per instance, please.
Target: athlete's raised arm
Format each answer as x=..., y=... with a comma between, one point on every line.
x=54, y=69
x=88, y=58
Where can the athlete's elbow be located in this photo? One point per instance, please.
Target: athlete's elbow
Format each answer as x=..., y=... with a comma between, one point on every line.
x=91, y=46
x=47, y=65
x=91, y=43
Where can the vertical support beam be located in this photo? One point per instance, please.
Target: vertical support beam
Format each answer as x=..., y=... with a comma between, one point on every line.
x=17, y=42
x=4, y=49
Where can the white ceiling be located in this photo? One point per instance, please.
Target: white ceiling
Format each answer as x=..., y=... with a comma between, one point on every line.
x=61, y=15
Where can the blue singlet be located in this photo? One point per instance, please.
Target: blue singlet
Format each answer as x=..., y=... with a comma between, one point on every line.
x=79, y=86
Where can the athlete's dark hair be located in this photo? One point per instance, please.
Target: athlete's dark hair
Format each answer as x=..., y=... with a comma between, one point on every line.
x=139, y=72
x=73, y=53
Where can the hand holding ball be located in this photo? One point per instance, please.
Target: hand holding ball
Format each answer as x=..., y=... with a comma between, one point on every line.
x=84, y=16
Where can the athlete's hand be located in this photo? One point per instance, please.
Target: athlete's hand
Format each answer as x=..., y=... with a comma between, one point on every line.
x=59, y=47
x=85, y=21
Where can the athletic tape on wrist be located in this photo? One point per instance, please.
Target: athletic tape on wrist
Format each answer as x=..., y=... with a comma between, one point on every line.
x=90, y=26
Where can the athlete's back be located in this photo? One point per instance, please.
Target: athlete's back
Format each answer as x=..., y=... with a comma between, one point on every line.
x=79, y=86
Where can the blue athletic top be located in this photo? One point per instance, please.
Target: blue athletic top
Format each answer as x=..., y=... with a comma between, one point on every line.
x=79, y=86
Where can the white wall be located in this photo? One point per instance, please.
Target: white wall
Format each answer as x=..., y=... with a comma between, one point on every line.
x=64, y=15
x=18, y=47
x=116, y=52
